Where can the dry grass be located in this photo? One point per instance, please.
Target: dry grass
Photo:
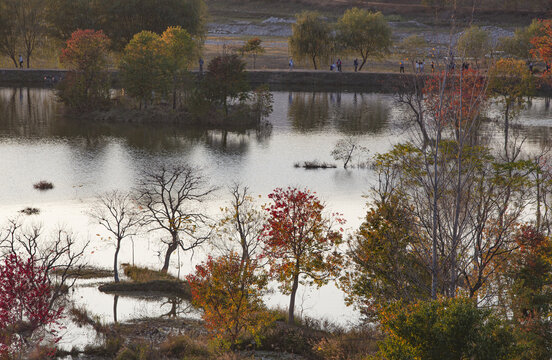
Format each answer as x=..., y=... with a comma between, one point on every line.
x=30, y=211
x=85, y=273
x=142, y=275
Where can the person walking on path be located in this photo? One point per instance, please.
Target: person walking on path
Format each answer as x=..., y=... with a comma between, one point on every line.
x=290, y=64
x=355, y=63
x=417, y=67
x=402, y=67
x=339, y=65
x=201, y=66
x=20, y=61
x=432, y=67
x=422, y=66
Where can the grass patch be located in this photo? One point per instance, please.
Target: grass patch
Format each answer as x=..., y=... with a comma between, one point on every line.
x=43, y=185
x=80, y=316
x=30, y=211
x=182, y=347
x=161, y=287
x=142, y=275
x=85, y=273
x=315, y=165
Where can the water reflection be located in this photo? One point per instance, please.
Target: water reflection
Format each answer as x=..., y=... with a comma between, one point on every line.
x=351, y=114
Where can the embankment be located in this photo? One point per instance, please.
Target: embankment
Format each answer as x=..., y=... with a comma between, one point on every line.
x=297, y=80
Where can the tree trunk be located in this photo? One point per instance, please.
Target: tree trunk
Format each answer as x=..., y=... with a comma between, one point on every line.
x=174, y=93
x=14, y=61
x=362, y=65
x=172, y=247
x=314, y=62
x=115, y=261
x=291, y=310
x=115, y=302
x=506, y=129
x=434, y=272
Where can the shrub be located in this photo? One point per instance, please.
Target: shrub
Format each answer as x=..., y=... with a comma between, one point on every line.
x=43, y=185
x=182, y=346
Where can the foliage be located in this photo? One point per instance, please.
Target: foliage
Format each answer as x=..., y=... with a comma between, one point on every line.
x=9, y=34
x=262, y=102
x=474, y=43
x=226, y=80
x=88, y=85
x=542, y=41
x=311, y=38
x=530, y=293
x=364, y=33
x=143, y=67
x=253, y=46
x=454, y=329
x=300, y=244
x=520, y=44
x=229, y=291
x=26, y=313
x=414, y=47
x=384, y=265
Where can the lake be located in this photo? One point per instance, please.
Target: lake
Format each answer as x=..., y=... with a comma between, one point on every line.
x=83, y=159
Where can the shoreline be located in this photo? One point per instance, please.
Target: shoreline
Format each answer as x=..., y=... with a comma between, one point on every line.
x=282, y=80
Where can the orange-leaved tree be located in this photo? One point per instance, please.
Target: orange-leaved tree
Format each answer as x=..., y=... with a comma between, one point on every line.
x=86, y=54
x=300, y=243
x=542, y=42
x=229, y=290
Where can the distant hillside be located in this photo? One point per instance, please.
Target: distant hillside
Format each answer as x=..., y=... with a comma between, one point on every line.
x=487, y=7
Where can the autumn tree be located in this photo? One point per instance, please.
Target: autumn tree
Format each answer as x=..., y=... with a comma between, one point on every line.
x=119, y=215
x=474, y=43
x=142, y=67
x=226, y=80
x=31, y=19
x=122, y=19
x=300, y=243
x=542, y=41
x=385, y=262
x=510, y=83
x=170, y=196
x=311, y=38
x=241, y=225
x=520, y=45
x=229, y=290
x=254, y=47
x=364, y=33
x=86, y=55
x=34, y=277
x=25, y=309
x=179, y=49
x=530, y=293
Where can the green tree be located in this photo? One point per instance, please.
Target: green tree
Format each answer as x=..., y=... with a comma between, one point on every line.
x=384, y=266
x=414, y=47
x=143, y=67
x=226, y=80
x=364, y=33
x=452, y=329
x=253, y=46
x=474, y=43
x=311, y=38
x=520, y=45
x=179, y=49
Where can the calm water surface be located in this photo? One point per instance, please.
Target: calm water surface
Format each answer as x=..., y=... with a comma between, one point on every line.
x=37, y=142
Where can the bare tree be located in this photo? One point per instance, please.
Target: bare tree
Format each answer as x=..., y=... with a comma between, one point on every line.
x=345, y=149
x=31, y=18
x=169, y=196
x=9, y=34
x=117, y=213
x=241, y=225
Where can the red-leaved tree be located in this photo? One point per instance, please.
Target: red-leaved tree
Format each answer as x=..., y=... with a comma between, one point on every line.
x=86, y=54
x=300, y=243
x=26, y=312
